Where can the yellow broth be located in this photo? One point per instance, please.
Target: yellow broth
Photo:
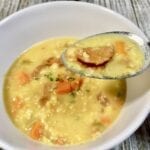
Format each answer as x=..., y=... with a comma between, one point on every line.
x=55, y=106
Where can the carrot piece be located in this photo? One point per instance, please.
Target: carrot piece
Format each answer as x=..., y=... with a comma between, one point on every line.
x=76, y=84
x=63, y=87
x=23, y=78
x=68, y=86
x=105, y=120
x=120, y=47
x=17, y=104
x=36, y=130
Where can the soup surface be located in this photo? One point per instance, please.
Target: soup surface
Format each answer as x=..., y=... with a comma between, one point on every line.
x=106, y=55
x=52, y=105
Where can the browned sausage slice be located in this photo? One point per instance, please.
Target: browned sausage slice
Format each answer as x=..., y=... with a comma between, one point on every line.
x=95, y=56
x=46, y=63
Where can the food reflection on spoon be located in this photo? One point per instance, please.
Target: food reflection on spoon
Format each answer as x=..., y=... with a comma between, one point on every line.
x=110, y=55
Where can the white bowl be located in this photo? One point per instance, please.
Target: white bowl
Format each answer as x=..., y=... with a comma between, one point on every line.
x=54, y=19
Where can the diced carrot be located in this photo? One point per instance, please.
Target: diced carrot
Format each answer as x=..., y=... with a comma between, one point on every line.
x=76, y=84
x=120, y=47
x=105, y=120
x=63, y=87
x=36, y=130
x=68, y=86
x=23, y=78
x=17, y=104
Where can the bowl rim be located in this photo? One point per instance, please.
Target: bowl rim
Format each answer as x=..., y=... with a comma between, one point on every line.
x=143, y=113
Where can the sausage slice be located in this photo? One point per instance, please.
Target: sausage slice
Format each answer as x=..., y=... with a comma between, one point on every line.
x=95, y=56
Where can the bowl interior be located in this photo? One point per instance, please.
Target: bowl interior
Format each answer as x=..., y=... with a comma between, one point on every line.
x=56, y=19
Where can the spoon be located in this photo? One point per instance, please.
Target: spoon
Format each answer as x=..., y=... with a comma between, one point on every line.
x=90, y=71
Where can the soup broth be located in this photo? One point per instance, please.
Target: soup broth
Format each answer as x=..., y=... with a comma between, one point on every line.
x=52, y=105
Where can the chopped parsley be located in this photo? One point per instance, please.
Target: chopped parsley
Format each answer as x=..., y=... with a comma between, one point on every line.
x=87, y=90
x=120, y=94
x=72, y=101
x=49, y=76
x=26, y=61
x=36, y=78
x=71, y=79
x=57, y=79
x=73, y=94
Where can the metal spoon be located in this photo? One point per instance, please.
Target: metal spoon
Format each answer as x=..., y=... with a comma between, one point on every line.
x=143, y=43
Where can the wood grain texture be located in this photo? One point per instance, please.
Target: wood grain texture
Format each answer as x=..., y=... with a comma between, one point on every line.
x=137, y=11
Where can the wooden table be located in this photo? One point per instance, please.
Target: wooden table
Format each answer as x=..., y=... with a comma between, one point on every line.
x=136, y=10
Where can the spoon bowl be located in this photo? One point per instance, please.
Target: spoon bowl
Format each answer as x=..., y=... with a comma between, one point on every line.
x=142, y=43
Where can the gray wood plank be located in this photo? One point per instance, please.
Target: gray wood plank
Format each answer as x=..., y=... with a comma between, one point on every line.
x=121, y=6
x=8, y=7
x=142, y=10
